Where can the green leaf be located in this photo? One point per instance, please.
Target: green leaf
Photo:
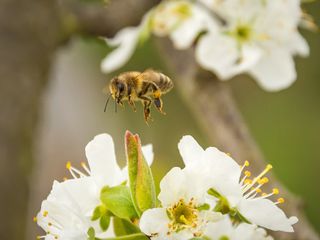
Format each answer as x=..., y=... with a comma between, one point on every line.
x=214, y=193
x=118, y=201
x=136, y=236
x=140, y=177
x=98, y=212
x=123, y=227
x=203, y=207
x=104, y=222
x=91, y=234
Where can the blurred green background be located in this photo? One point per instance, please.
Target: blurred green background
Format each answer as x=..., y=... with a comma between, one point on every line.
x=285, y=124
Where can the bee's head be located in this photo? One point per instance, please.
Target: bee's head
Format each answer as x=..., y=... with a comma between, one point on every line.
x=117, y=89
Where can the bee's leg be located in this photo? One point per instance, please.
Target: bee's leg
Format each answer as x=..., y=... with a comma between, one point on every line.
x=146, y=107
x=146, y=110
x=132, y=103
x=158, y=104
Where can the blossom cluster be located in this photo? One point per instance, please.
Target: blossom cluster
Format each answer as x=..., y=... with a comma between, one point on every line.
x=257, y=37
x=211, y=197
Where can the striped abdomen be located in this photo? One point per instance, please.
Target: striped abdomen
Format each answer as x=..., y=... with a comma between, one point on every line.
x=163, y=82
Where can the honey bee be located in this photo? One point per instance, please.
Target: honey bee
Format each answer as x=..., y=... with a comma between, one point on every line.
x=147, y=87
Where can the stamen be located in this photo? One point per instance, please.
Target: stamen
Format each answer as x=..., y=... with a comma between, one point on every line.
x=279, y=201
x=45, y=213
x=246, y=174
x=275, y=191
x=73, y=171
x=35, y=219
x=84, y=166
x=256, y=179
x=246, y=164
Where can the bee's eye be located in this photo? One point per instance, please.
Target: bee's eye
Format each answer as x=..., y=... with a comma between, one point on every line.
x=120, y=87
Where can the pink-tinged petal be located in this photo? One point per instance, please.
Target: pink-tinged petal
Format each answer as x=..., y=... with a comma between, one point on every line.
x=265, y=213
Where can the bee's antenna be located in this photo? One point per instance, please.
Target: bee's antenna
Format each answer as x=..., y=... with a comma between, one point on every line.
x=105, y=107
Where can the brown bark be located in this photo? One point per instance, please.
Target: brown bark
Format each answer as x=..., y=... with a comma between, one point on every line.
x=30, y=32
x=28, y=35
x=211, y=102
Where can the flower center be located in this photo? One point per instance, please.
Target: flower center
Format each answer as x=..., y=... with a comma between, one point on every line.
x=242, y=33
x=183, y=215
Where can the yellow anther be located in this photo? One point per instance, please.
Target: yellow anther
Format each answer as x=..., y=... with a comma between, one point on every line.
x=263, y=194
x=247, y=173
x=248, y=181
x=35, y=219
x=45, y=213
x=83, y=164
x=263, y=180
x=246, y=163
x=258, y=190
x=280, y=200
x=268, y=167
x=229, y=154
x=38, y=237
x=275, y=191
x=49, y=224
x=68, y=165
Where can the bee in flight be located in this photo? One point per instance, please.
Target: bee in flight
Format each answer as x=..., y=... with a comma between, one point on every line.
x=147, y=87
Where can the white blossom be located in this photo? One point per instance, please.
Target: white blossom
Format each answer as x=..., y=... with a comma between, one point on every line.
x=181, y=20
x=256, y=37
x=184, y=212
x=240, y=195
x=67, y=211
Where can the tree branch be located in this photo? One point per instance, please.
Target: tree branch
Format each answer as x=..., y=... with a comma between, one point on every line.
x=97, y=19
x=212, y=104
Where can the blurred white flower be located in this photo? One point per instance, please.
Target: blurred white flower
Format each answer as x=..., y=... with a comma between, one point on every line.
x=224, y=229
x=181, y=20
x=184, y=212
x=257, y=37
x=239, y=196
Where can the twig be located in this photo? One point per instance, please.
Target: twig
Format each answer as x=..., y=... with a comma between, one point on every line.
x=102, y=20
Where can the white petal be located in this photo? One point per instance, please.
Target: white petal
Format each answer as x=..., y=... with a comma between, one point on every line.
x=154, y=221
x=172, y=187
x=126, y=40
x=220, y=54
x=184, y=35
x=83, y=192
x=299, y=45
x=147, y=151
x=218, y=229
x=275, y=70
x=265, y=213
x=224, y=174
x=102, y=161
x=189, y=149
